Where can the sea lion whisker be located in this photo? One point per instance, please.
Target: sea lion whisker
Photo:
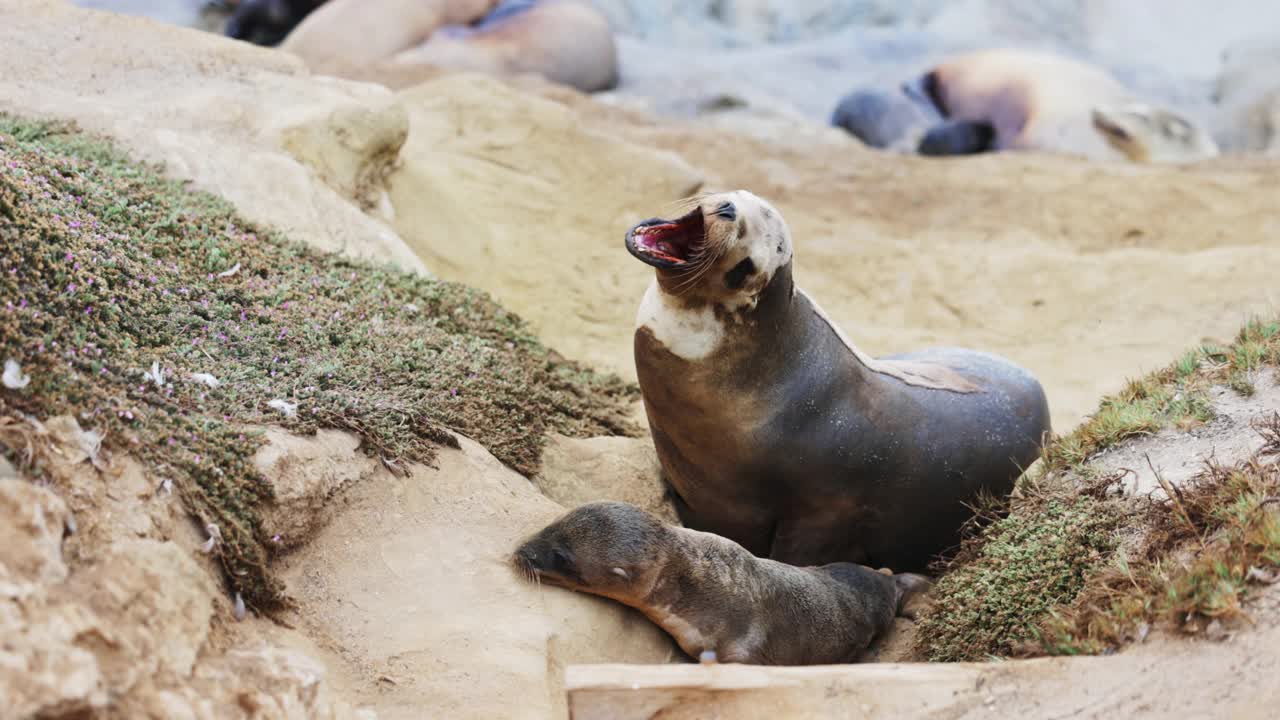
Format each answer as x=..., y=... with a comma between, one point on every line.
x=701, y=266
x=690, y=280
x=689, y=202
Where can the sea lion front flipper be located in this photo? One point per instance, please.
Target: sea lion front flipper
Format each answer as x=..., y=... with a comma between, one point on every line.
x=957, y=137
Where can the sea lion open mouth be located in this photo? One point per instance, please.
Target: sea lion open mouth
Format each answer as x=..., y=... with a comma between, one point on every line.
x=668, y=243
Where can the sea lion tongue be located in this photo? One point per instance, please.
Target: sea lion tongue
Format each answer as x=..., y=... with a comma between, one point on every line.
x=667, y=243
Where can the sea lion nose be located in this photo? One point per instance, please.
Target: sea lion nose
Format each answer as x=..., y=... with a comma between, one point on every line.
x=727, y=211
x=528, y=556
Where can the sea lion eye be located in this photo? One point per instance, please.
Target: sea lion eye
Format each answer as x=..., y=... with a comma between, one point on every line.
x=727, y=211
x=737, y=277
x=559, y=560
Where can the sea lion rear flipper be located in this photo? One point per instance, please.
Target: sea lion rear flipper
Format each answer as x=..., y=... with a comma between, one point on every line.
x=957, y=137
x=909, y=586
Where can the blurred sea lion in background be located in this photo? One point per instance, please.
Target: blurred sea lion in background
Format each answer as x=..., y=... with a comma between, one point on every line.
x=402, y=42
x=1146, y=134
x=1247, y=94
x=266, y=22
x=882, y=118
x=1010, y=99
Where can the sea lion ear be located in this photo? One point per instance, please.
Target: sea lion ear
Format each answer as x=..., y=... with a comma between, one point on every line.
x=621, y=573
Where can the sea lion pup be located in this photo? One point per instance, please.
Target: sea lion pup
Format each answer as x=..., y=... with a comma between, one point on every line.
x=773, y=430
x=565, y=41
x=1007, y=99
x=716, y=599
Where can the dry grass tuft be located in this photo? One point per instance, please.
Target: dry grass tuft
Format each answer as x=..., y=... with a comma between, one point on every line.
x=1203, y=548
x=1046, y=572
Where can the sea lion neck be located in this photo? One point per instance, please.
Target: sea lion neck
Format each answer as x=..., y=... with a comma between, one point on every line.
x=784, y=320
x=673, y=584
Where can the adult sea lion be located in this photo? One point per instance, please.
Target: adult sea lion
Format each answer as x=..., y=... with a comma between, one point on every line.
x=775, y=431
x=1146, y=134
x=1247, y=95
x=267, y=22
x=403, y=42
x=718, y=601
x=881, y=118
x=1008, y=99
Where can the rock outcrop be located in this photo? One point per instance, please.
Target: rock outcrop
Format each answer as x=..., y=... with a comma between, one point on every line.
x=301, y=154
x=129, y=634
x=410, y=586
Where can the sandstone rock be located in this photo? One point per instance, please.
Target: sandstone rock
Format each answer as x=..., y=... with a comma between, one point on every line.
x=352, y=146
x=306, y=473
x=155, y=604
x=413, y=585
x=30, y=539
x=111, y=498
x=137, y=619
x=130, y=633
x=264, y=682
x=511, y=193
x=582, y=470
x=244, y=122
x=41, y=669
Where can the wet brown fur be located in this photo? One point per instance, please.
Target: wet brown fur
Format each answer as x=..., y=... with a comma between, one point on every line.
x=709, y=593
